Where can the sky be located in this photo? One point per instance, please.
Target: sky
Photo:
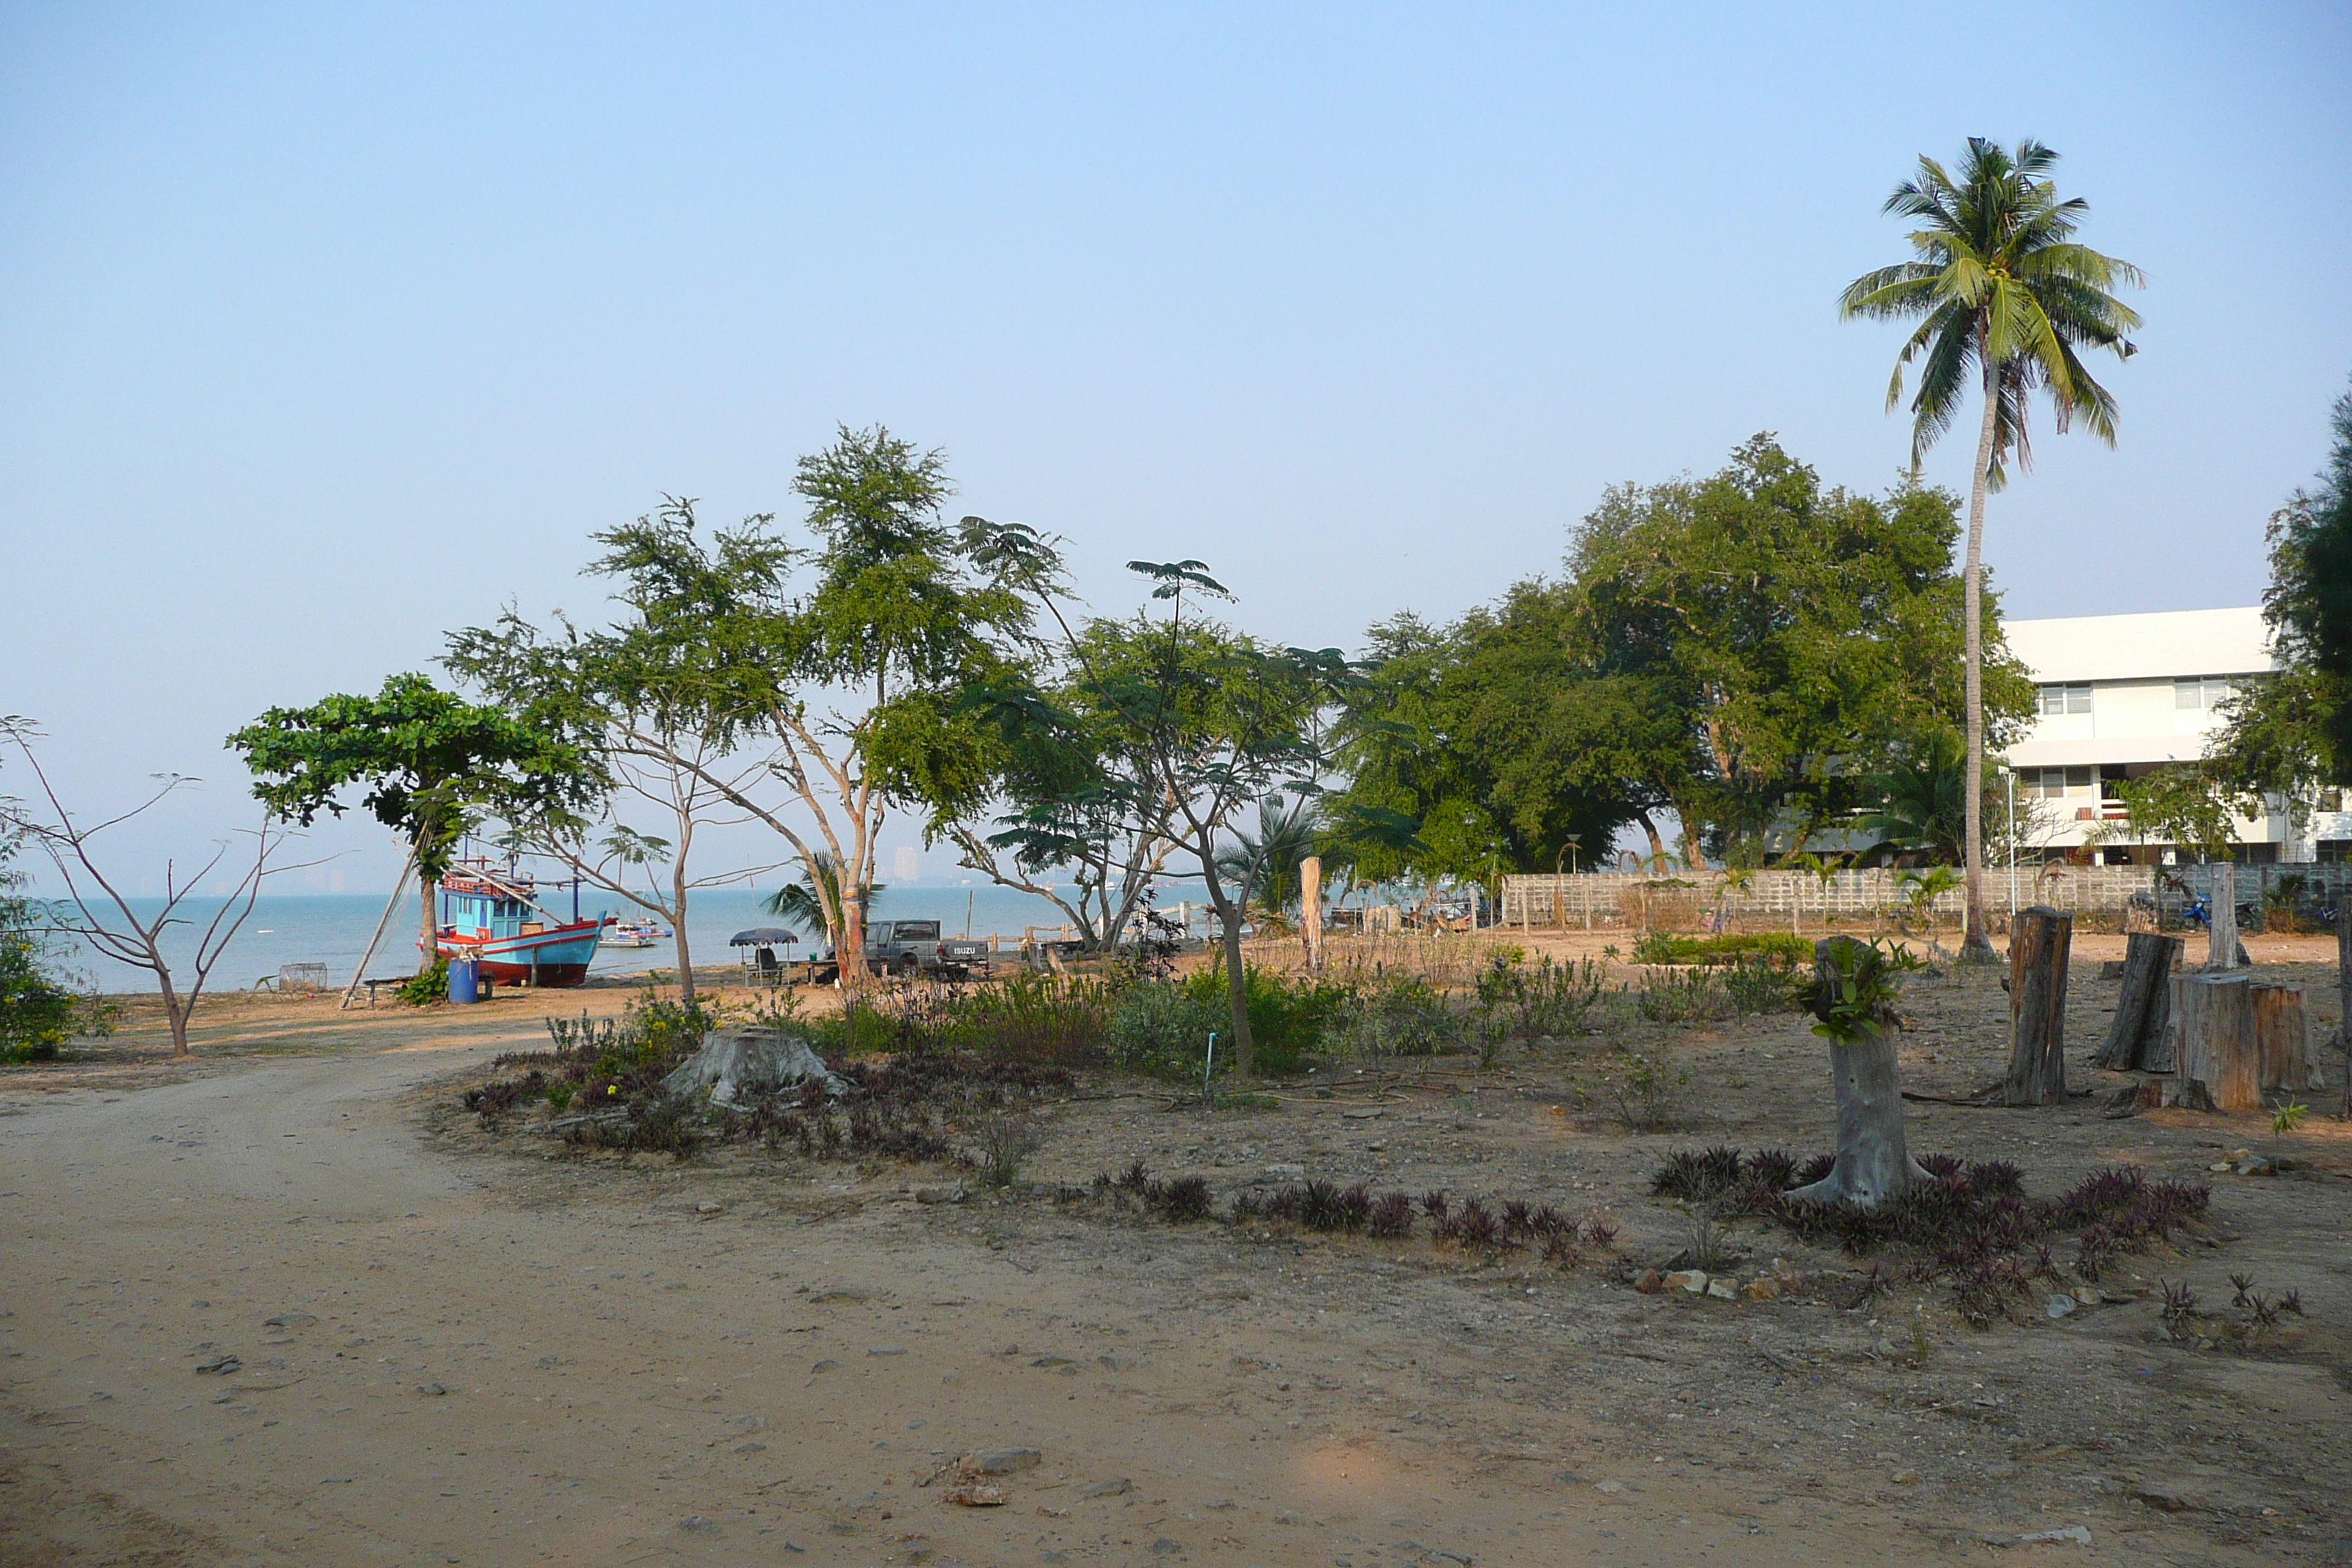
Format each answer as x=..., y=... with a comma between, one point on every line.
x=328, y=329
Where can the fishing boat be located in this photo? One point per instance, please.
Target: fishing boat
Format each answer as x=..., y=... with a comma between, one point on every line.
x=491, y=913
x=637, y=934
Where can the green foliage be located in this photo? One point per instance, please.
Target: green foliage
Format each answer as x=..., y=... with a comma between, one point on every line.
x=427, y=987
x=1390, y=1014
x=40, y=1009
x=1161, y=1026
x=1545, y=1001
x=1646, y=1093
x=426, y=759
x=2289, y=1115
x=802, y=904
x=1288, y=1013
x=1736, y=650
x=1854, y=992
x=1662, y=947
x=2293, y=730
x=2192, y=804
x=1999, y=280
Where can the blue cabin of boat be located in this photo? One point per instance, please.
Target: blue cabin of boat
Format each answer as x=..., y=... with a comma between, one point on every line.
x=489, y=915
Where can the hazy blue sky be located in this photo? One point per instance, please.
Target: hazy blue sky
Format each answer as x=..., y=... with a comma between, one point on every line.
x=326, y=329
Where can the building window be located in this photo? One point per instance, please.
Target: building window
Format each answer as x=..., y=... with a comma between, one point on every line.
x=2331, y=800
x=2199, y=690
x=2065, y=700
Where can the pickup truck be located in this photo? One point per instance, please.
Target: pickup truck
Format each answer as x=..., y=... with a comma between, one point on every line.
x=916, y=947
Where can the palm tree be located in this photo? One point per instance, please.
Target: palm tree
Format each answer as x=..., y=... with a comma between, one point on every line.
x=798, y=905
x=1922, y=794
x=2004, y=298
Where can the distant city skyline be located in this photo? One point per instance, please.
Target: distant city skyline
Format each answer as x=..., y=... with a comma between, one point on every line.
x=331, y=331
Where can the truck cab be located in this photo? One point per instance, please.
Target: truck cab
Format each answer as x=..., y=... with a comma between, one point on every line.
x=916, y=947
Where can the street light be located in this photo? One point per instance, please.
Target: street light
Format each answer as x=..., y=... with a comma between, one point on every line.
x=1567, y=851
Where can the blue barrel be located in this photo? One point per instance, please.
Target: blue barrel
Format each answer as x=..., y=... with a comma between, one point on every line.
x=464, y=980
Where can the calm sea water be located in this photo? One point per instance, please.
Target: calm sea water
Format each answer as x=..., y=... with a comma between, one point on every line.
x=333, y=930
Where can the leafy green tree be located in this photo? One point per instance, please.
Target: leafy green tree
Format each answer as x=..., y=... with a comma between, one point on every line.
x=1483, y=739
x=2004, y=296
x=2293, y=730
x=853, y=682
x=1920, y=798
x=1202, y=722
x=643, y=700
x=1780, y=641
x=428, y=764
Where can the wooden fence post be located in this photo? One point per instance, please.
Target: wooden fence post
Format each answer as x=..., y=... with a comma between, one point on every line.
x=2221, y=931
x=1310, y=907
x=2039, y=939
x=2145, y=1004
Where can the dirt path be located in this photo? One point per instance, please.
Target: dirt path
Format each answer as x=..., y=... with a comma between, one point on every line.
x=483, y=1356
x=629, y=1381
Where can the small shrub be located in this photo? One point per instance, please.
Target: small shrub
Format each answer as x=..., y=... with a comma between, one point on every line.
x=1477, y=1226
x=559, y=1096
x=1005, y=1144
x=423, y=989
x=1392, y=1218
x=1185, y=1199
x=1164, y=1028
x=2289, y=1116
x=1646, y=1094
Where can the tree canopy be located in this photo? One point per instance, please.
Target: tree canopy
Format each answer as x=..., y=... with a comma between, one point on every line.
x=1744, y=651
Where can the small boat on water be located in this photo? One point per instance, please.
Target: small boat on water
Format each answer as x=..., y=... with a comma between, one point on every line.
x=637, y=934
x=491, y=913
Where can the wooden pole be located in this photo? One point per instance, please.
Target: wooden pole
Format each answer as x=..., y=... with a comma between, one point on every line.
x=1311, y=901
x=2145, y=1004
x=2221, y=931
x=399, y=886
x=2039, y=939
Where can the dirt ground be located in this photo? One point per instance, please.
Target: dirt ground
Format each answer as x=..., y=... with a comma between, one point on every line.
x=453, y=1347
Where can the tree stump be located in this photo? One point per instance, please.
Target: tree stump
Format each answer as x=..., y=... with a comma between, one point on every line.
x=2217, y=1055
x=2282, y=1038
x=2222, y=949
x=2039, y=942
x=1874, y=1163
x=2144, y=1005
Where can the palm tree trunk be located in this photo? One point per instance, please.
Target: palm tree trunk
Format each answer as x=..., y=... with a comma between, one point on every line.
x=1972, y=601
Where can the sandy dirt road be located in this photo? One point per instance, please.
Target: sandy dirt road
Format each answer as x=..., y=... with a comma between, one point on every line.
x=436, y=1365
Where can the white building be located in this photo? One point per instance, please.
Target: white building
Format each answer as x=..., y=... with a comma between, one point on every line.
x=2121, y=695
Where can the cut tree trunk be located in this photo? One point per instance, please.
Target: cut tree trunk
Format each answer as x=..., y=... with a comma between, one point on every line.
x=2282, y=1038
x=2039, y=940
x=2222, y=951
x=2344, y=999
x=1874, y=1163
x=2144, y=1006
x=2216, y=1056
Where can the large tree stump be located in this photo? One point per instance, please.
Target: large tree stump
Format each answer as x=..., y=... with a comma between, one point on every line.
x=2222, y=949
x=2039, y=940
x=2217, y=1055
x=2282, y=1038
x=2145, y=1004
x=1874, y=1163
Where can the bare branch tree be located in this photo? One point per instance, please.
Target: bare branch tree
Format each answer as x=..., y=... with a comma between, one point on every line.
x=107, y=921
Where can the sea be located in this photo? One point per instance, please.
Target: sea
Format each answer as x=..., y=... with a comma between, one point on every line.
x=334, y=929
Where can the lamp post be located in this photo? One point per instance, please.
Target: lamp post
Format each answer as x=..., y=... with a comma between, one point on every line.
x=1567, y=852
x=2011, y=775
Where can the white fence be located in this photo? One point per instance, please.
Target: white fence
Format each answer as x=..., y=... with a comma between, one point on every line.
x=1593, y=900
